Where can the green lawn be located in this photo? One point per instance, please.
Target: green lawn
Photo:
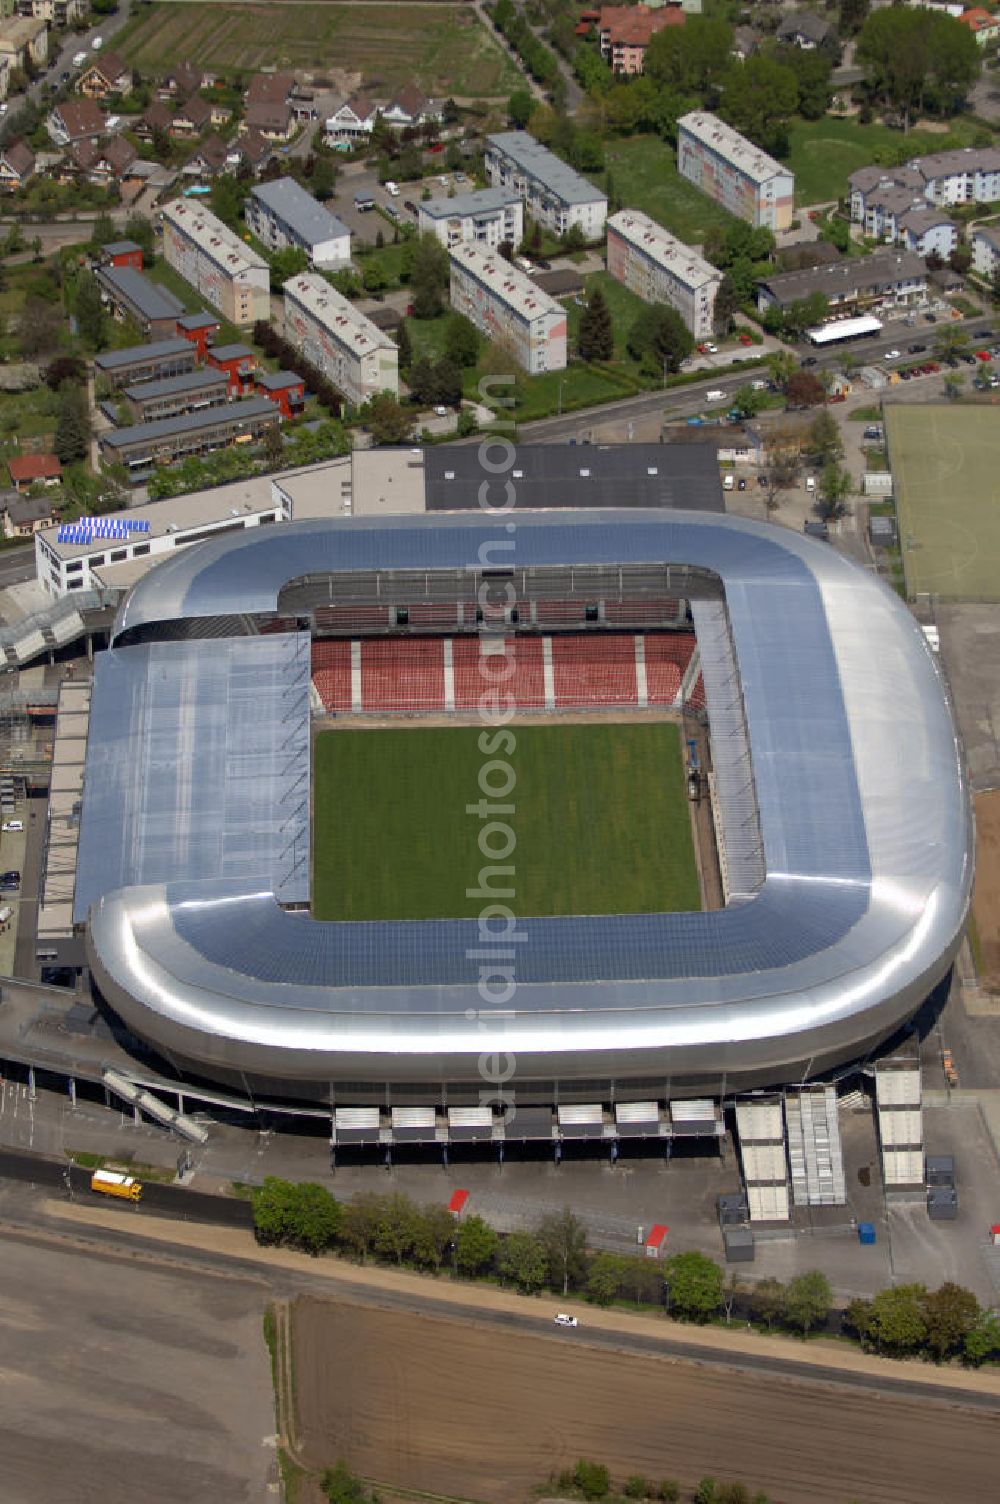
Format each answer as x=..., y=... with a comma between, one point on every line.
x=601, y=821
x=644, y=172
x=444, y=47
x=825, y=152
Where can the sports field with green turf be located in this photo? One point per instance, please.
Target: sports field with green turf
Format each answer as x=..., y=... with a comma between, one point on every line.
x=601, y=821
x=945, y=460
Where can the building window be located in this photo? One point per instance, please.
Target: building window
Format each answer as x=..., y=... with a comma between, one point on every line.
x=140, y=548
x=118, y=555
x=74, y=567
x=74, y=585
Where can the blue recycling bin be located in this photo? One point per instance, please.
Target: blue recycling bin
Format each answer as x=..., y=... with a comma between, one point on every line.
x=866, y=1232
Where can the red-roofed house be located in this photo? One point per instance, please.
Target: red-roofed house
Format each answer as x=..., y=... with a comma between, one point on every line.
x=285, y=389
x=984, y=27
x=76, y=120
x=107, y=74
x=28, y=470
x=627, y=30
x=238, y=361
x=17, y=165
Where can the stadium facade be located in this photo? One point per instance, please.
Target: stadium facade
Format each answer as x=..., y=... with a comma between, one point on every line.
x=843, y=808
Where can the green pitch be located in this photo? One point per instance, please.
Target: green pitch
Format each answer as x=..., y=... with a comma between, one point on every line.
x=600, y=819
x=945, y=460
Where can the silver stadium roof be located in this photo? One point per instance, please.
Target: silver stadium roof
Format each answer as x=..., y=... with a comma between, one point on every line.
x=865, y=833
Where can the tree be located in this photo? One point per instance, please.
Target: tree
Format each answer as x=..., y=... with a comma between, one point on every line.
x=301, y=1214
x=405, y=348
x=705, y=1492
x=660, y=337
x=951, y=343
x=728, y=300
x=90, y=316
x=374, y=275
x=103, y=230
x=759, y=98
x=983, y=1341
x=916, y=60
x=358, y=1223
x=462, y=341
x=596, y=339
x=637, y=1487
x=426, y=263
x=274, y=447
x=953, y=383
x=604, y=1278
x=592, y=1479
x=731, y=1292
x=433, y=1234
x=782, y=366
x=835, y=486
x=475, y=1246
x=73, y=429
x=340, y=1486
x=564, y=1238
x=804, y=390
x=692, y=58
x=324, y=178
x=285, y=264
x=272, y=1210
x=824, y=439
x=669, y=1491
x=853, y=14
x=694, y=1282
x=951, y=1313
x=523, y=1262
x=807, y=1300
x=395, y=1229
x=447, y=383
x=520, y=106
x=767, y=1300
x=746, y=402
x=388, y=421
x=139, y=229
x=897, y=1323
x=65, y=368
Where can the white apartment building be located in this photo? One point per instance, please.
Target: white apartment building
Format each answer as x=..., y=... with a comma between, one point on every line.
x=985, y=251
x=735, y=173
x=968, y=175
x=508, y=307
x=281, y=213
x=223, y=268
x=358, y=358
x=554, y=195
x=488, y=217
x=659, y=268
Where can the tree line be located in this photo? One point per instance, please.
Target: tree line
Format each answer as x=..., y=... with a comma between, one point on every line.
x=592, y=1481
x=292, y=359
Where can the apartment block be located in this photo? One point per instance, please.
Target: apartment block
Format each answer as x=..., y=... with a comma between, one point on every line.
x=359, y=359
x=508, y=307
x=488, y=217
x=554, y=195
x=659, y=268
x=223, y=268
x=735, y=173
x=281, y=213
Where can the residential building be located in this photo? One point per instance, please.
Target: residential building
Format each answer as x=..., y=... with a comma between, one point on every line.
x=411, y=108
x=23, y=516
x=927, y=232
x=252, y=150
x=4, y=75
x=281, y=213
x=984, y=25
x=24, y=40
x=17, y=166
x=508, y=307
x=659, y=268
x=200, y=329
x=122, y=253
x=286, y=389
x=191, y=118
x=107, y=74
x=164, y=357
x=27, y=470
x=807, y=31
x=231, y=276
x=76, y=120
x=554, y=195
x=360, y=360
x=746, y=42
x=131, y=295
x=489, y=217
x=181, y=82
x=967, y=175
x=106, y=163
x=269, y=106
x=56, y=12
x=156, y=117
x=145, y=445
x=885, y=281
x=173, y=395
x=625, y=31
x=354, y=120
x=211, y=158
x=237, y=362
x=985, y=251
x=735, y=173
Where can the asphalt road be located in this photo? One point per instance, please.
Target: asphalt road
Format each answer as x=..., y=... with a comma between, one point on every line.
x=17, y=564
x=157, y=1200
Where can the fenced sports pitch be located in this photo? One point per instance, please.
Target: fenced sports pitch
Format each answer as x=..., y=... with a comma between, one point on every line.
x=945, y=462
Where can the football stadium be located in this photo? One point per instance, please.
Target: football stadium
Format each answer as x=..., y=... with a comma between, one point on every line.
x=605, y=805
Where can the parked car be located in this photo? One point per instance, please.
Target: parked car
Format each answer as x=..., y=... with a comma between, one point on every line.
x=13, y=825
x=543, y=266
x=983, y=334
x=931, y=318
x=916, y=349
x=745, y=339
x=562, y=1319
x=810, y=360
x=715, y=395
x=712, y=349
x=741, y=484
x=409, y=204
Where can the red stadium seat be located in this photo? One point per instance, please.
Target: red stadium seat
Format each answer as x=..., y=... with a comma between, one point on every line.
x=331, y=672
x=667, y=657
x=523, y=676
x=594, y=670
x=404, y=673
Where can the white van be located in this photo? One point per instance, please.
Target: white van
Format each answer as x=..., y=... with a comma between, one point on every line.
x=392, y=189
x=13, y=825
x=810, y=483
x=728, y=483
x=715, y=396
x=97, y=44
x=79, y=58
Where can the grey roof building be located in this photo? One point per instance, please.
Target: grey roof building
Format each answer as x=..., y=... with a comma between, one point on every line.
x=590, y=475
x=162, y=357
x=173, y=395
x=281, y=213
x=154, y=308
x=888, y=274
x=143, y=444
x=554, y=193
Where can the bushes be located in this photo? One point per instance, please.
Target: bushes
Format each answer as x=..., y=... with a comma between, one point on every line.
x=591, y=1480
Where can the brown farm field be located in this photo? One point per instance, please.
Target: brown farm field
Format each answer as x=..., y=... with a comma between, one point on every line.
x=468, y=1410
x=444, y=47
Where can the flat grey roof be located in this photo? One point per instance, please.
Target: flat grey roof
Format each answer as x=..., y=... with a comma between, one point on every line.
x=171, y=386
x=581, y=475
x=482, y=201
x=858, y=272
x=303, y=214
x=138, y=433
x=153, y=302
x=866, y=843
x=114, y=360
x=541, y=163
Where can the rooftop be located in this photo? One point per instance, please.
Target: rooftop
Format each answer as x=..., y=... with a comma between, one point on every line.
x=114, y=360
x=636, y=25
x=665, y=249
x=721, y=138
x=506, y=282
x=618, y=476
x=202, y=320
x=173, y=386
x=336, y=313
x=230, y=352
x=220, y=244
x=538, y=162
x=164, y=428
x=303, y=214
x=883, y=269
x=121, y=248
x=279, y=381
x=481, y=201
x=29, y=467
x=151, y=300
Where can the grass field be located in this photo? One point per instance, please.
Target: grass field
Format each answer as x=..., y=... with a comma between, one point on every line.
x=644, y=171
x=444, y=47
x=825, y=152
x=601, y=820
x=945, y=461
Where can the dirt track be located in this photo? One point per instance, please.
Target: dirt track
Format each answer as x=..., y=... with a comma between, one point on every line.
x=455, y=1407
x=986, y=902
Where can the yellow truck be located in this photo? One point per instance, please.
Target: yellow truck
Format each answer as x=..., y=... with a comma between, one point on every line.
x=111, y=1183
